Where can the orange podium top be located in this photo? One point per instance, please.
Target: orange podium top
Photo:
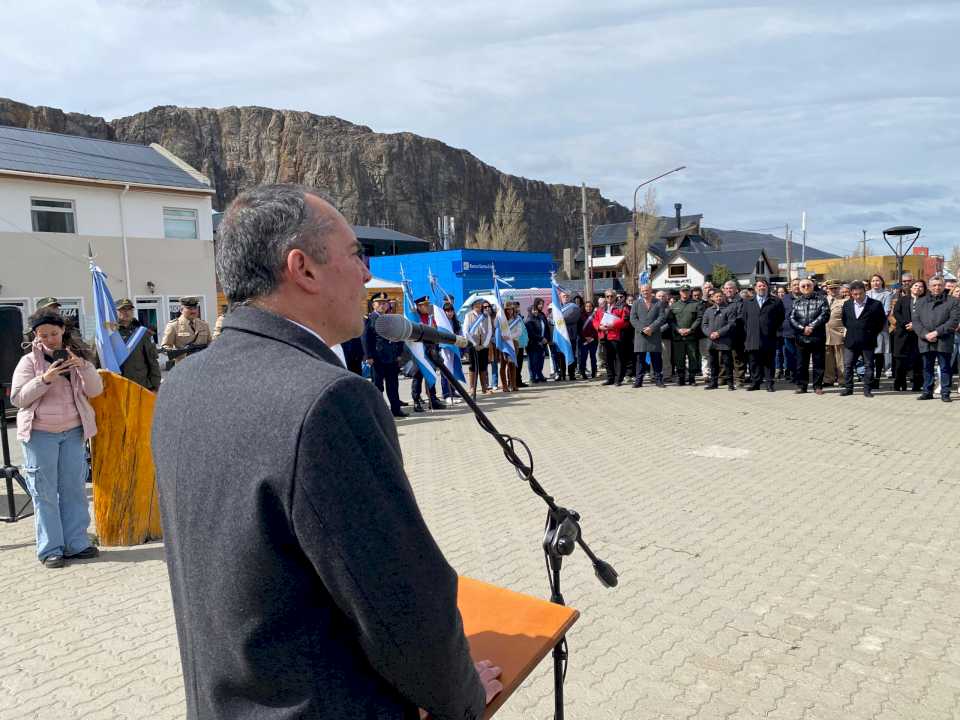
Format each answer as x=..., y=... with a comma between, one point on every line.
x=512, y=630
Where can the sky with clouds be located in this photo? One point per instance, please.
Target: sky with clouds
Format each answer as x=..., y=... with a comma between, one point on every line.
x=846, y=110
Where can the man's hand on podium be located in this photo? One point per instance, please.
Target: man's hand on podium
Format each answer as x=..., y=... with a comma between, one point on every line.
x=489, y=673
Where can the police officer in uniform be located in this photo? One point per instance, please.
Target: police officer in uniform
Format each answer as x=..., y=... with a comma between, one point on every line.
x=141, y=365
x=186, y=330
x=425, y=313
x=381, y=355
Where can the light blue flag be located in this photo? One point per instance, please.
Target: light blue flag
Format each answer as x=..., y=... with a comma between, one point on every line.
x=451, y=353
x=504, y=346
x=110, y=345
x=416, y=349
x=560, y=337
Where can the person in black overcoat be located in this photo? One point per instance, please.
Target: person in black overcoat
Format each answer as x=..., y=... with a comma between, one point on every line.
x=305, y=581
x=762, y=317
x=906, y=355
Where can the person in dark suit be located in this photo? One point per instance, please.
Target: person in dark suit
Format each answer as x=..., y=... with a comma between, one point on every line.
x=863, y=318
x=906, y=352
x=305, y=581
x=762, y=317
x=381, y=355
x=935, y=323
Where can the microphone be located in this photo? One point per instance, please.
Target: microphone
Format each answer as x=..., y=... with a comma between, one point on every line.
x=398, y=328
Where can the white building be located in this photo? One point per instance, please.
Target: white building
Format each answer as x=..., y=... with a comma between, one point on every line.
x=144, y=213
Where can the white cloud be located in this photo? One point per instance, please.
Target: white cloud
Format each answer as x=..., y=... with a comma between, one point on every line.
x=840, y=110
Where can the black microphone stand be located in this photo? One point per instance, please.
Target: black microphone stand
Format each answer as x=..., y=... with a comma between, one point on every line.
x=561, y=532
x=10, y=471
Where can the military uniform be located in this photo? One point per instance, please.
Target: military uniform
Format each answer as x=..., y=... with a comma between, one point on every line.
x=384, y=355
x=141, y=366
x=183, y=331
x=686, y=314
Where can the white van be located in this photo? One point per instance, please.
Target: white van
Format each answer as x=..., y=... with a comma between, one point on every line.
x=524, y=296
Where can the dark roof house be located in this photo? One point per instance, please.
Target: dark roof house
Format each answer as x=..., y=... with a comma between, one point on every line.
x=31, y=153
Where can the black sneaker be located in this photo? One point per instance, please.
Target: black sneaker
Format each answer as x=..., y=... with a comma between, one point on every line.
x=418, y=407
x=400, y=414
x=845, y=392
x=925, y=396
x=88, y=554
x=53, y=561
x=946, y=398
x=800, y=391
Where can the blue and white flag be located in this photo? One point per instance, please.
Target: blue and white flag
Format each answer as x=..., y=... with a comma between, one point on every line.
x=451, y=353
x=560, y=337
x=110, y=345
x=645, y=277
x=503, y=345
x=416, y=349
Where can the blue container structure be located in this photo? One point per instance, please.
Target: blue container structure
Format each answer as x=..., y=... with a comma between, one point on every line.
x=463, y=272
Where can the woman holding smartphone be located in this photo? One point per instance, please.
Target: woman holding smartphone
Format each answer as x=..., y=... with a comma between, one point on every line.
x=51, y=387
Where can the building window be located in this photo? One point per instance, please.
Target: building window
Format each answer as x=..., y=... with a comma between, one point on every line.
x=673, y=243
x=598, y=251
x=760, y=267
x=52, y=215
x=677, y=271
x=616, y=250
x=180, y=223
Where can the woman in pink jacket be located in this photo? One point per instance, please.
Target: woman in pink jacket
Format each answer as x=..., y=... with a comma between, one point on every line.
x=51, y=385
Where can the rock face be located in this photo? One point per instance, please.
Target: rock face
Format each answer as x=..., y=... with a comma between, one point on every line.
x=401, y=180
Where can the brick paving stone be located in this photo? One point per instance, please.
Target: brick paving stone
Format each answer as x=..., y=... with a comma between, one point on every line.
x=780, y=557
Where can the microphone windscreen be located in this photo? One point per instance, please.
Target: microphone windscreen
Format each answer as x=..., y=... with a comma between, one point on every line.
x=393, y=327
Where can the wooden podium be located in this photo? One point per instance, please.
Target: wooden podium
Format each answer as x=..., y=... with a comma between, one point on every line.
x=512, y=630
x=125, y=502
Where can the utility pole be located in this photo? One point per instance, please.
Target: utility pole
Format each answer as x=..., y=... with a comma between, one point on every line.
x=587, y=250
x=864, y=249
x=786, y=239
x=803, y=231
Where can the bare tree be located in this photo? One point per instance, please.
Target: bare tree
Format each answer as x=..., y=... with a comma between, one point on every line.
x=955, y=260
x=640, y=237
x=508, y=230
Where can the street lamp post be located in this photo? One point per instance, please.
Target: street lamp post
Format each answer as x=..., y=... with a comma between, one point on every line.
x=899, y=232
x=636, y=216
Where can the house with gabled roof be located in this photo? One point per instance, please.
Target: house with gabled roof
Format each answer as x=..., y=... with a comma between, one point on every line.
x=682, y=240
x=145, y=213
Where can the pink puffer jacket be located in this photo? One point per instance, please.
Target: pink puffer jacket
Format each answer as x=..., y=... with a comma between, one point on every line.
x=28, y=391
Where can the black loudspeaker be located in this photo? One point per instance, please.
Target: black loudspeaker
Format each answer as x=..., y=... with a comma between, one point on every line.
x=11, y=339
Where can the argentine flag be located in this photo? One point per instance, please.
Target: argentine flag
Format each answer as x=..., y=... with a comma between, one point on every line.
x=504, y=346
x=110, y=345
x=451, y=353
x=560, y=337
x=427, y=369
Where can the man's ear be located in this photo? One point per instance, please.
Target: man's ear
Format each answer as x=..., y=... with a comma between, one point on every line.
x=301, y=269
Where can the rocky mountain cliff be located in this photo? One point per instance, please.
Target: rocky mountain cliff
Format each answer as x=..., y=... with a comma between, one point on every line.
x=401, y=180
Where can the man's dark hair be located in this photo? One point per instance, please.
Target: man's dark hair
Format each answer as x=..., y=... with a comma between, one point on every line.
x=857, y=285
x=259, y=230
x=762, y=279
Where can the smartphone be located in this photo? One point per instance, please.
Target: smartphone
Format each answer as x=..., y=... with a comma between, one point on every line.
x=60, y=354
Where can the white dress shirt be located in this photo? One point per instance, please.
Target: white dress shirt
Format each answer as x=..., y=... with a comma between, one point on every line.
x=337, y=350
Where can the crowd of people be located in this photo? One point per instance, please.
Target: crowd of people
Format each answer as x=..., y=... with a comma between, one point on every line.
x=810, y=335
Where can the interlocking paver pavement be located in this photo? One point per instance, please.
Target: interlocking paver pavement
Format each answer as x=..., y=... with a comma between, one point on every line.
x=780, y=557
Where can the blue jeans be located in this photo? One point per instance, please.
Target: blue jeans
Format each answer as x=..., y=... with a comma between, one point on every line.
x=56, y=468
x=946, y=378
x=790, y=353
x=588, y=351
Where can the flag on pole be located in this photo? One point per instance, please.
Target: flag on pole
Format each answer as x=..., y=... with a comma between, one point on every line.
x=503, y=345
x=451, y=353
x=416, y=349
x=560, y=337
x=112, y=348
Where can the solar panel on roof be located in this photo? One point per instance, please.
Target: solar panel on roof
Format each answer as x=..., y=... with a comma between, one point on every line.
x=70, y=156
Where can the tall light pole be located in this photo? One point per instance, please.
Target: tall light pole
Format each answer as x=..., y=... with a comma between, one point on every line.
x=636, y=215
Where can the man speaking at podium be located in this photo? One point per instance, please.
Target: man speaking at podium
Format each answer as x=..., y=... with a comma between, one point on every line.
x=305, y=582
